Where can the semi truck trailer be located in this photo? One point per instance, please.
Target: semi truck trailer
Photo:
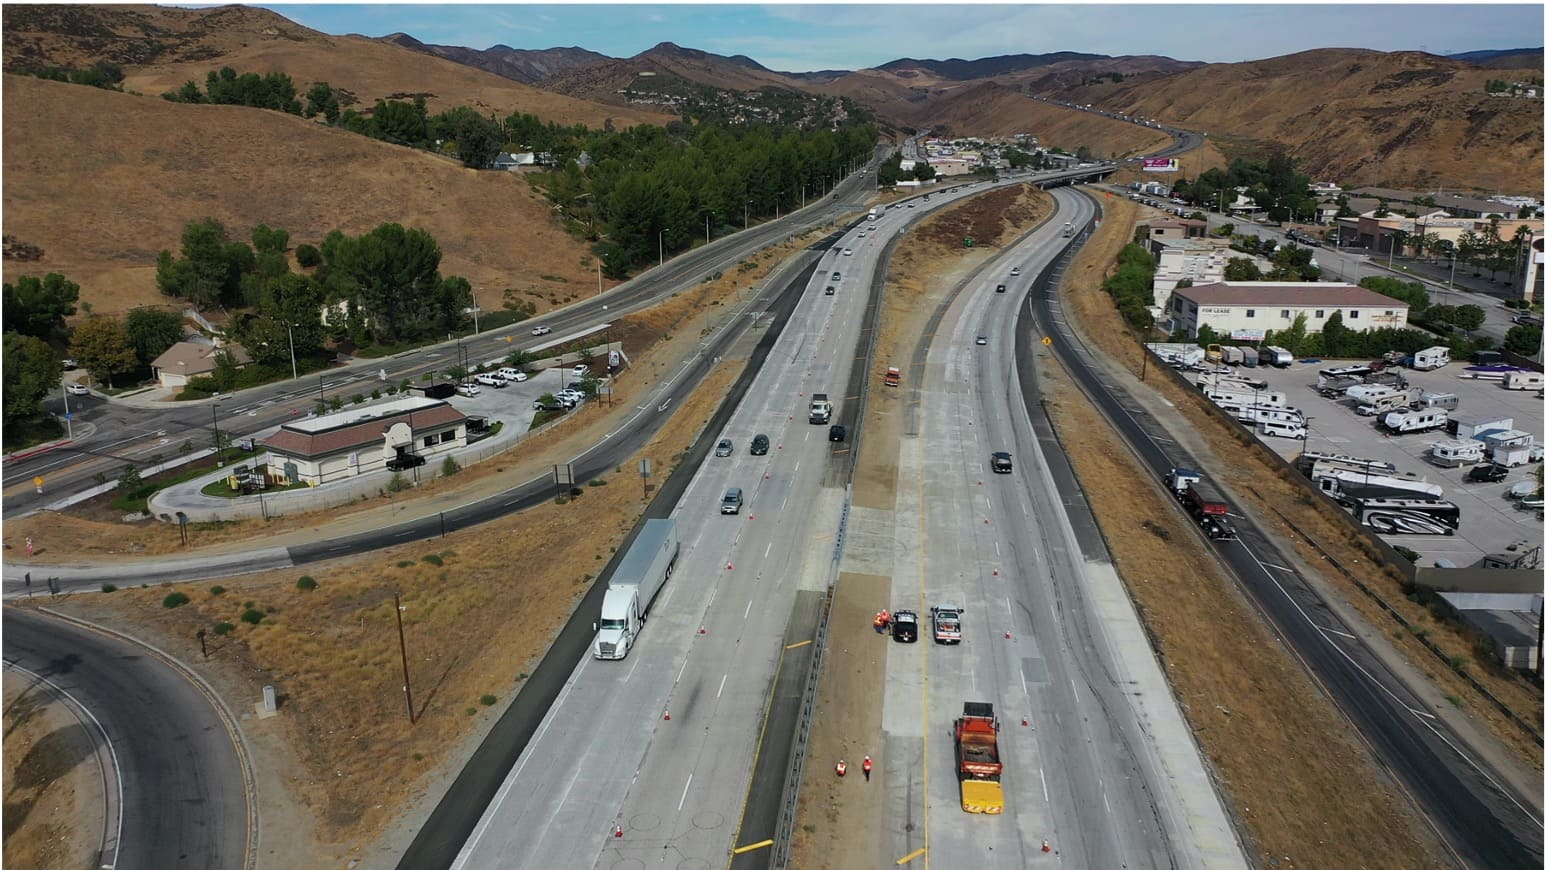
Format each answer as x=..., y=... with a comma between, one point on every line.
x=634, y=585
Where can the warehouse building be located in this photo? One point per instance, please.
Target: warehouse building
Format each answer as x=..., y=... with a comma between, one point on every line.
x=1251, y=307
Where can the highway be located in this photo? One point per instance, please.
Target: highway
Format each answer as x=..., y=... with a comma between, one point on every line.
x=184, y=800
x=1481, y=819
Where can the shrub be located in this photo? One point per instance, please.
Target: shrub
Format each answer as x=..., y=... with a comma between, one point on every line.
x=375, y=394
x=306, y=583
x=175, y=599
x=358, y=398
x=434, y=560
x=398, y=483
x=308, y=256
x=488, y=700
x=224, y=628
x=217, y=590
x=450, y=466
x=108, y=587
x=252, y=616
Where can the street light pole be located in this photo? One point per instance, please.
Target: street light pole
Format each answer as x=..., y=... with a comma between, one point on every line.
x=475, y=328
x=214, y=415
x=662, y=244
x=747, y=212
x=289, y=329
x=69, y=429
x=708, y=228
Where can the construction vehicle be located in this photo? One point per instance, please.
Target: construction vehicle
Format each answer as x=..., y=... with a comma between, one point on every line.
x=893, y=377
x=977, y=762
x=820, y=409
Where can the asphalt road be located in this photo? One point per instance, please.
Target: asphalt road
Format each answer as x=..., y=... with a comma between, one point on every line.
x=184, y=794
x=1483, y=822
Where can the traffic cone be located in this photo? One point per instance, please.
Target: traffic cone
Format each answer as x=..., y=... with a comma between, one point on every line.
x=702, y=630
x=995, y=572
x=617, y=831
x=1045, y=846
x=1024, y=721
x=729, y=566
x=1006, y=636
x=667, y=715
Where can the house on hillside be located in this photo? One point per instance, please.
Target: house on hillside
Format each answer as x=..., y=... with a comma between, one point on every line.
x=189, y=359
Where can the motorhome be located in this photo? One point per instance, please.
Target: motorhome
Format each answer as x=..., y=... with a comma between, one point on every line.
x=1264, y=415
x=1429, y=359
x=1223, y=395
x=1230, y=380
x=1407, y=516
x=1343, y=485
x=1309, y=459
x=1523, y=381
x=1453, y=454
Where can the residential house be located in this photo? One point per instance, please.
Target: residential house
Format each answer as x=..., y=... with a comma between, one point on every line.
x=189, y=359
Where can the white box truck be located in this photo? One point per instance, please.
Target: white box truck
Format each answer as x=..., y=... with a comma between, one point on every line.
x=874, y=214
x=634, y=585
x=820, y=409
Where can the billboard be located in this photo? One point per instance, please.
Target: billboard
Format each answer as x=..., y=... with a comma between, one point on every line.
x=1247, y=335
x=1161, y=164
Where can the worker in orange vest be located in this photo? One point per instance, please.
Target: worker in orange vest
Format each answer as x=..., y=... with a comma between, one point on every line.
x=882, y=620
x=868, y=766
x=842, y=767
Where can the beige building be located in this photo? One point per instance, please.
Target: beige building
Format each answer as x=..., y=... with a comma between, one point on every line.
x=1247, y=310
x=1201, y=261
x=411, y=431
x=187, y=359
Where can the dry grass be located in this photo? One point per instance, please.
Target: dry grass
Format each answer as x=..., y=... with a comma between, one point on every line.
x=53, y=783
x=1248, y=471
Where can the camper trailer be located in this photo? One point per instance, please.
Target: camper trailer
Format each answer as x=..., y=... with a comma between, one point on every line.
x=1409, y=422
x=1230, y=380
x=1233, y=356
x=1523, y=381
x=1453, y=454
x=1311, y=459
x=1276, y=356
x=1252, y=357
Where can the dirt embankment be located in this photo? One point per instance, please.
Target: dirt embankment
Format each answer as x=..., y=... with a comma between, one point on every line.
x=53, y=784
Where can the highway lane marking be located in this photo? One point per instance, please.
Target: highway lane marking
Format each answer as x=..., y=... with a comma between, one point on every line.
x=681, y=672
x=908, y=858
x=1075, y=692
x=768, y=552
x=1278, y=567
x=1334, y=631
x=683, y=801
x=1045, y=793
x=722, y=681
x=1024, y=686
x=799, y=644
x=747, y=614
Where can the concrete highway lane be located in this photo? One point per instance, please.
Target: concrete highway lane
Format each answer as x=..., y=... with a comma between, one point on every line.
x=185, y=801
x=1485, y=822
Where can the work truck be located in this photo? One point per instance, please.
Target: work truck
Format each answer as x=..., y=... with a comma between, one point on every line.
x=820, y=409
x=874, y=214
x=946, y=622
x=1203, y=502
x=634, y=585
x=893, y=377
x=977, y=762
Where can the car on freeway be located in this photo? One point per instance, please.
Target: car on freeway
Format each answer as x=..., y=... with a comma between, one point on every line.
x=1002, y=463
x=904, y=626
x=759, y=445
x=981, y=339
x=725, y=447
x=836, y=276
x=404, y=461
x=1014, y=272
x=946, y=623
x=77, y=389
x=541, y=330
x=847, y=252
x=830, y=290
x=1002, y=288
x=468, y=390
x=837, y=432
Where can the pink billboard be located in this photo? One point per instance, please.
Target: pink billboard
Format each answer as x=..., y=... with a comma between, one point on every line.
x=1161, y=164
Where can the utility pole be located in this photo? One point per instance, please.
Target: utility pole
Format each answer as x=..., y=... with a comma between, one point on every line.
x=402, y=644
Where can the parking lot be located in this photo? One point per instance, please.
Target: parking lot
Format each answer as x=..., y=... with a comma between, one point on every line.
x=1489, y=522
x=512, y=403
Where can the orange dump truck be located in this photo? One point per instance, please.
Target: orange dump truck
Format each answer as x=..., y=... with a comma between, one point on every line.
x=977, y=761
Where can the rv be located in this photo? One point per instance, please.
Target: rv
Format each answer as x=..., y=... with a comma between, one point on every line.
x=1310, y=459
x=1452, y=454
x=1264, y=415
x=1407, y=516
x=1407, y=422
x=1252, y=357
x=1369, y=392
x=1353, y=371
x=1336, y=387
x=1429, y=359
x=1343, y=485
x=1392, y=402
x=1276, y=356
x=1215, y=353
x=1248, y=398
x=1523, y=381
x=1230, y=381
x=1446, y=401
x=1233, y=356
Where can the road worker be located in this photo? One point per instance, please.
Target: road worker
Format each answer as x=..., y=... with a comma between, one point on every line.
x=868, y=766
x=842, y=767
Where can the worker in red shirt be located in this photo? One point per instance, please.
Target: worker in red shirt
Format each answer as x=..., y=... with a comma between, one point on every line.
x=842, y=767
x=882, y=621
x=868, y=766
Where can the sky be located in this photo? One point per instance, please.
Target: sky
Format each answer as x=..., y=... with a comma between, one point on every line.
x=802, y=38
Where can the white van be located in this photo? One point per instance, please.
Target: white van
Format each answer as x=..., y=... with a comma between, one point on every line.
x=1282, y=429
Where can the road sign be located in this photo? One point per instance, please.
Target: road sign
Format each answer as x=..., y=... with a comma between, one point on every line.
x=38, y=481
x=1046, y=341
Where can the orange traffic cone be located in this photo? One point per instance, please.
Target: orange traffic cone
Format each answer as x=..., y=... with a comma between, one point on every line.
x=1045, y=846
x=617, y=831
x=667, y=715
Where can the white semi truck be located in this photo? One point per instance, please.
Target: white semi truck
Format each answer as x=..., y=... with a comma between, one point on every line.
x=874, y=214
x=820, y=409
x=634, y=585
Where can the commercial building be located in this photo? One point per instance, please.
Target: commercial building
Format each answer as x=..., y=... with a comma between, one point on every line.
x=1247, y=310
x=319, y=450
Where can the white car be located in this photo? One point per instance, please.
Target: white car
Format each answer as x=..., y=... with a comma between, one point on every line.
x=541, y=330
x=1014, y=272
x=468, y=390
x=77, y=389
x=581, y=371
x=847, y=252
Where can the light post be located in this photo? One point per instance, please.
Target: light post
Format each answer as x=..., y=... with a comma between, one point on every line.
x=707, y=228
x=289, y=330
x=662, y=244
x=598, y=267
x=69, y=428
x=475, y=328
x=214, y=416
x=747, y=212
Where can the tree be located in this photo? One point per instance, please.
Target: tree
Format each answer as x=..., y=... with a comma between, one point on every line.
x=478, y=140
x=1522, y=340
x=151, y=331
x=923, y=172
x=267, y=241
x=321, y=100
x=31, y=371
x=1241, y=269
x=1469, y=317
x=1226, y=230
x=102, y=347
x=1336, y=336
x=308, y=256
x=38, y=307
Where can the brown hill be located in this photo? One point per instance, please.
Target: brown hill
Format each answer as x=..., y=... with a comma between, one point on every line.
x=102, y=181
x=529, y=66
x=668, y=64
x=1354, y=116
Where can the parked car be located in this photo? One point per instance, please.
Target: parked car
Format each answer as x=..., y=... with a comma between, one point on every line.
x=404, y=461
x=581, y=370
x=555, y=405
x=77, y=389
x=904, y=626
x=837, y=432
x=759, y=445
x=468, y=390
x=1487, y=473
x=490, y=380
x=725, y=447
x=511, y=374
x=541, y=330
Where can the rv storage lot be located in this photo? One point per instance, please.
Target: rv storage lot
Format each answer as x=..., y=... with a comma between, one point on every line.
x=1488, y=522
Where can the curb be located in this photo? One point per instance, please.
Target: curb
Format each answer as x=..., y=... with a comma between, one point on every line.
x=38, y=451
